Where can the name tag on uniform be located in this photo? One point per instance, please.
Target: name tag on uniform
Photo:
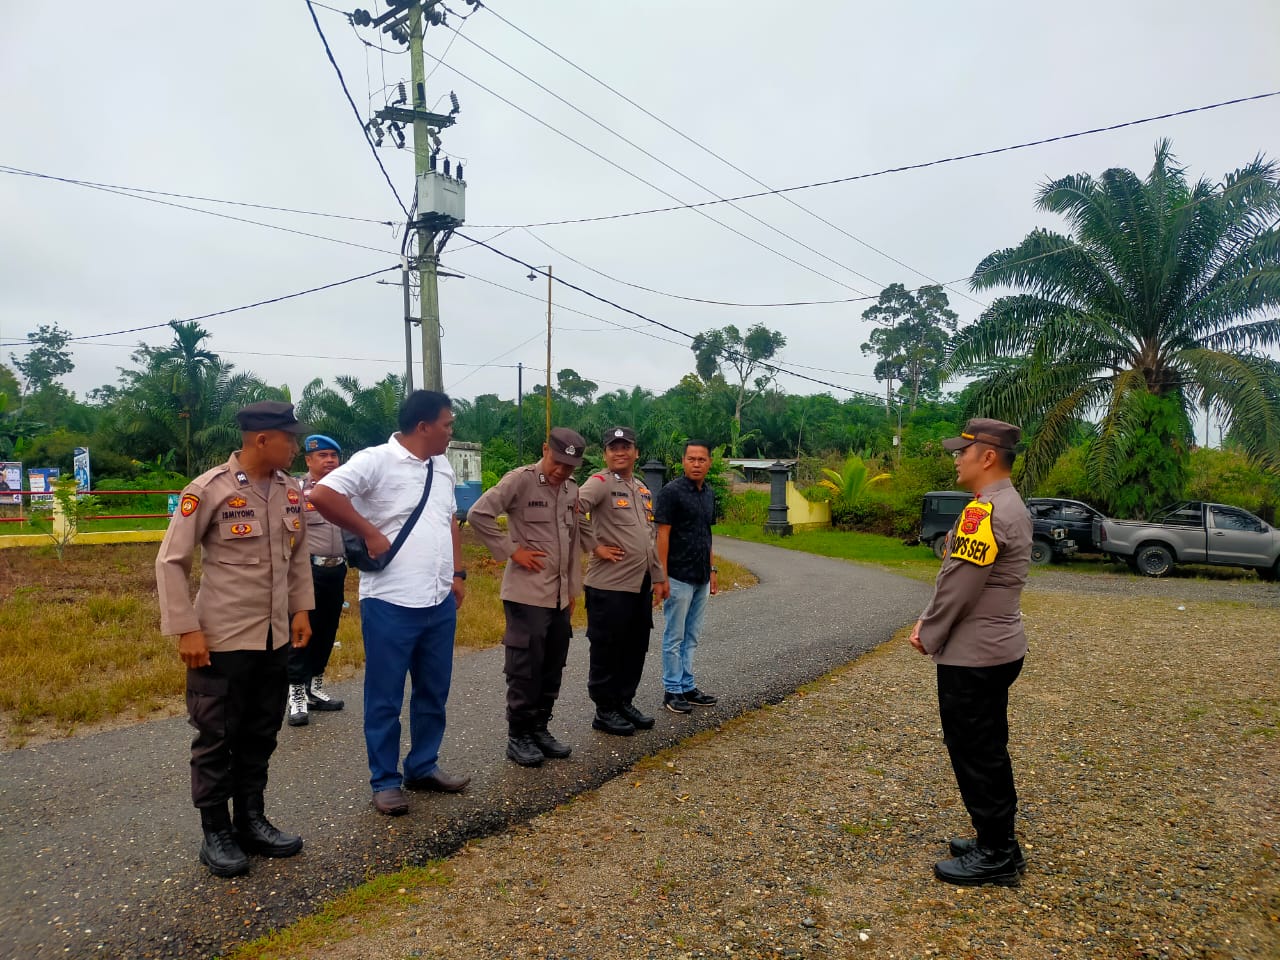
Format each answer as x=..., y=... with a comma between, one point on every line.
x=974, y=542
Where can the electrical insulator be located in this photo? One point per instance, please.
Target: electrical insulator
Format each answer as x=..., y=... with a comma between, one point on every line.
x=403, y=95
x=459, y=171
x=361, y=18
x=453, y=99
x=431, y=163
x=446, y=166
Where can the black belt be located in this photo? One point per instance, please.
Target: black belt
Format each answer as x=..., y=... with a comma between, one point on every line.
x=328, y=561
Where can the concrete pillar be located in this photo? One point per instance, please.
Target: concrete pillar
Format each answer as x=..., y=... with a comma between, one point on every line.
x=777, y=523
x=655, y=475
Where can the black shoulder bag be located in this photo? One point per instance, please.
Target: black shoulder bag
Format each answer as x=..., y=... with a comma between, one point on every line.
x=358, y=551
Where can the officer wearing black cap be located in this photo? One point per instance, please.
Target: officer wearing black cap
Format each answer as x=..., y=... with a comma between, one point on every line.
x=623, y=579
x=973, y=630
x=543, y=579
x=329, y=575
x=244, y=517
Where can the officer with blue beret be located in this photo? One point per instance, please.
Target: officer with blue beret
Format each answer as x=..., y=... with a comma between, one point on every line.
x=329, y=575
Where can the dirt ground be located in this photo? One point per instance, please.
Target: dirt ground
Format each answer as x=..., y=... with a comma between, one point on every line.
x=1145, y=743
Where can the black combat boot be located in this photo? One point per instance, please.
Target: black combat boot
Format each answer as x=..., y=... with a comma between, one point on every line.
x=551, y=747
x=220, y=852
x=611, y=721
x=959, y=846
x=981, y=865
x=258, y=835
x=638, y=718
x=521, y=747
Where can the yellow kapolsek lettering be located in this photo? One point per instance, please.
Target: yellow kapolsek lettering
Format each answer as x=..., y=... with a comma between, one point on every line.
x=973, y=541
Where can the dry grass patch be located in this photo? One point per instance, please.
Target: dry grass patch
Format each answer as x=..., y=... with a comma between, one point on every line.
x=80, y=645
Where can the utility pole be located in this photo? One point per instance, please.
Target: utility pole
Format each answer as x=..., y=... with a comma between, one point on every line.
x=428, y=296
x=409, y=321
x=519, y=413
x=548, y=438
x=440, y=199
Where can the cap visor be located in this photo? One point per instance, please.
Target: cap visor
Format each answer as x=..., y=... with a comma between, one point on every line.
x=566, y=459
x=302, y=428
x=956, y=443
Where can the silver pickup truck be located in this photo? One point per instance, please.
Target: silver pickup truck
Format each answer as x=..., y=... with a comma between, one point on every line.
x=1193, y=532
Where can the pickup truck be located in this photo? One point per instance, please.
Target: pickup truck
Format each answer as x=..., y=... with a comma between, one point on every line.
x=938, y=512
x=1193, y=532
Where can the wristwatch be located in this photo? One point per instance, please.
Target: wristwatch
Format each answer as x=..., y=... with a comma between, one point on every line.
x=459, y=574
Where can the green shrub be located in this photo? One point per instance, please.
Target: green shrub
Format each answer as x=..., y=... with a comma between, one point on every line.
x=746, y=506
x=1227, y=476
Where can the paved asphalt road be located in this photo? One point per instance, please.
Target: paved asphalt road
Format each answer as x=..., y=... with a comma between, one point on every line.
x=98, y=839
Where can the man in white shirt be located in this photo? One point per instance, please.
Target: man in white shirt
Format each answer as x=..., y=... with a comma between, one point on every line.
x=408, y=610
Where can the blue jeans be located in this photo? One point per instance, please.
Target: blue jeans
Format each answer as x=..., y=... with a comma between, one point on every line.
x=682, y=612
x=417, y=641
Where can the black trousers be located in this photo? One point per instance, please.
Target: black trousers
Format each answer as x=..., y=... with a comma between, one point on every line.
x=311, y=660
x=973, y=703
x=236, y=705
x=537, y=645
x=618, y=625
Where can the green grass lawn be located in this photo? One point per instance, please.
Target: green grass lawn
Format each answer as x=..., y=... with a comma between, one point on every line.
x=888, y=552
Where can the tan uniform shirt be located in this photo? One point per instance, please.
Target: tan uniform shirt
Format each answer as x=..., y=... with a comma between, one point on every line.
x=975, y=617
x=618, y=512
x=324, y=539
x=254, y=560
x=540, y=517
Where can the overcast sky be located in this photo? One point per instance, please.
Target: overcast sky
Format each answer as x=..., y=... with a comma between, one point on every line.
x=238, y=101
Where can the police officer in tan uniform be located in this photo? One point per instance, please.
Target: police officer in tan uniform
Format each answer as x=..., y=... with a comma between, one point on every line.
x=623, y=579
x=542, y=580
x=245, y=519
x=973, y=630
x=329, y=576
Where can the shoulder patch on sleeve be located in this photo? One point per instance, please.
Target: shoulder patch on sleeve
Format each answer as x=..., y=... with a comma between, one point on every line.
x=188, y=504
x=974, y=542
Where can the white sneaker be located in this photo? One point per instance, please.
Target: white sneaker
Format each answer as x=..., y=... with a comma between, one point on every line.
x=298, y=705
x=318, y=699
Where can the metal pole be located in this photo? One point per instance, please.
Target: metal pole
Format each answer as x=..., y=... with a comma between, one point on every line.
x=432, y=376
x=548, y=439
x=520, y=413
x=408, y=327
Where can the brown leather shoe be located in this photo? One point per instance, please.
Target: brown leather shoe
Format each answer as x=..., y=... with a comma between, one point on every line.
x=439, y=781
x=391, y=802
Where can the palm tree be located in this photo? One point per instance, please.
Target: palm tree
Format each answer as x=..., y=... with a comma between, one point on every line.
x=364, y=417
x=851, y=481
x=1155, y=306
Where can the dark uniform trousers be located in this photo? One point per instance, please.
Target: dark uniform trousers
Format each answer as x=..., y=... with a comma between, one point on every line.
x=310, y=661
x=236, y=705
x=618, y=625
x=973, y=703
x=537, y=645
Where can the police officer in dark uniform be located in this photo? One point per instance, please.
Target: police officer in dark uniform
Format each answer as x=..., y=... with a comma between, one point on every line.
x=329, y=575
x=542, y=580
x=245, y=519
x=973, y=630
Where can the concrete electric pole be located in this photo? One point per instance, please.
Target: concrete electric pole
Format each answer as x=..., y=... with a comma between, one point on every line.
x=440, y=198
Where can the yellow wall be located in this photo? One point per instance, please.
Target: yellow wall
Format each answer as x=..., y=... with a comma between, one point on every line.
x=108, y=536
x=804, y=515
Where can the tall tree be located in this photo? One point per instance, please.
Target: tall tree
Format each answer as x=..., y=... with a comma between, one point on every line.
x=354, y=415
x=747, y=356
x=47, y=358
x=1160, y=301
x=911, y=342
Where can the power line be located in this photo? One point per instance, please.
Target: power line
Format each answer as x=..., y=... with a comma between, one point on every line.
x=678, y=172
x=676, y=296
x=696, y=207
x=773, y=367
x=6, y=168
x=889, y=170
x=363, y=129
x=123, y=192
x=729, y=163
x=221, y=313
